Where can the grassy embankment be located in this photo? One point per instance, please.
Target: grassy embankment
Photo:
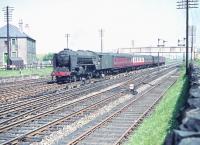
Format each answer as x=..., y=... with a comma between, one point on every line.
x=40, y=71
x=154, y=129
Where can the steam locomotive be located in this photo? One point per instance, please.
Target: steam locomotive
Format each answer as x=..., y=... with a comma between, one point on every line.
x=72, y=65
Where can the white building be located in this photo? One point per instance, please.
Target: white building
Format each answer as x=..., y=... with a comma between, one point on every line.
x=21, y=45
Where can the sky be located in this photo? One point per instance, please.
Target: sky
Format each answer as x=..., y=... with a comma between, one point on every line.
x=122, y=21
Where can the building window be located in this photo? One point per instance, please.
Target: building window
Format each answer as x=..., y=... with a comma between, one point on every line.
x=13, y=41
x=14, y=54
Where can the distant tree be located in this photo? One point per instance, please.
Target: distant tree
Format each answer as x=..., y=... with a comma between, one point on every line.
x=48, y=57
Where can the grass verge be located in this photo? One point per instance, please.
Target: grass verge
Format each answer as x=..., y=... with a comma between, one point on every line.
x=34, y=71
x=155, y=128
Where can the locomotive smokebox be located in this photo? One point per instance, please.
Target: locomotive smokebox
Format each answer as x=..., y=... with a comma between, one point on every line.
x=63, y=58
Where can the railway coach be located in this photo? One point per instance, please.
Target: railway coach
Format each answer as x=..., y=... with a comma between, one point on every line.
x=72, y=65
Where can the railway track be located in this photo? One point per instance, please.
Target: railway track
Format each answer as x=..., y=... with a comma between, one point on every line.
x=113, y=129
x=11, y=112
x=22, y=109
x=14, y=130
x=22, y=82
x=55, y=95
x=22, y=90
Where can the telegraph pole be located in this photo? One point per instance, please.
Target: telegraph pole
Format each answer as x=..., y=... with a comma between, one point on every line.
x=186, y=4
x=67, y=37
x=187, y=42
x=192, y=34
x=8, y=38
x=8, y=17
x=101, y=35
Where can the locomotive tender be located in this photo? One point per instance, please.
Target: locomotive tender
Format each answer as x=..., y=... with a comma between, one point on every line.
x=72, y=65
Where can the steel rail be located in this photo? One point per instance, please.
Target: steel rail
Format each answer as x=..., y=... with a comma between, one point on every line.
x=85, y=134
x=54, y=110
x=115, y=114
x=136, y=123
x=6, y=127
x=26, y=103
x=55, y=122
x=61, y=98
x=41, y=107
x=130, y=79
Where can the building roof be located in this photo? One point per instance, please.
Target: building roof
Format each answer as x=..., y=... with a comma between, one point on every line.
x=13, y=32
